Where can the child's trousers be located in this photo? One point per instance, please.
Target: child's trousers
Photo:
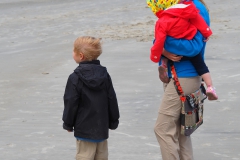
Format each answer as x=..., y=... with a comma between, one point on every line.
x=174, y=146
x=92, y=151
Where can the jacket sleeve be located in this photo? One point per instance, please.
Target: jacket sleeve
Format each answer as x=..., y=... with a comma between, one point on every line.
x=157, y=48
x=183, y=47
x=113, y=111
x=71, y=102
x=201, y=25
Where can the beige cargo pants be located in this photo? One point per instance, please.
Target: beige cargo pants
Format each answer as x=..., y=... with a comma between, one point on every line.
x=92, y=151
x=173, y=145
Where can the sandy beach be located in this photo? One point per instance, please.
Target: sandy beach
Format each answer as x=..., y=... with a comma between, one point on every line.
x=36, y=40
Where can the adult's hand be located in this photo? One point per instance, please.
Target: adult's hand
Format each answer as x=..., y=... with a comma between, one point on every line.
x=171, y=56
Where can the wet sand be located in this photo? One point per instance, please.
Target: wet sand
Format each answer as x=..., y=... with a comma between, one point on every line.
x=35, y=60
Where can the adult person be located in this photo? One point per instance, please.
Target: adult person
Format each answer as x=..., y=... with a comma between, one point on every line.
x=175, y=146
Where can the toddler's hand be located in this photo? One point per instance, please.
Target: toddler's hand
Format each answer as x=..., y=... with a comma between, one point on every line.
x=154, y=58
x=205, y=40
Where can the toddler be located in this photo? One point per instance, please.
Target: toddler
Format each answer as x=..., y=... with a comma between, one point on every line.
x=179, y=19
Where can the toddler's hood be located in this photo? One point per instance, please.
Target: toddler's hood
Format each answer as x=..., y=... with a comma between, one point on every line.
x=187, y=10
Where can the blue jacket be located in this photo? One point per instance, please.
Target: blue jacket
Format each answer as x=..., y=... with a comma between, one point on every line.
x=188, y=48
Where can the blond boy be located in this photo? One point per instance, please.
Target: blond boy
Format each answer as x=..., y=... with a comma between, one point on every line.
x=90, y=103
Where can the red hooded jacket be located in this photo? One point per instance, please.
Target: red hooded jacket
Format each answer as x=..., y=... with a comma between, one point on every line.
x=178, y=21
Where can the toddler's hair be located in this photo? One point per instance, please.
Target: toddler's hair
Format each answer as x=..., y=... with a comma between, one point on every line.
x=90, y=47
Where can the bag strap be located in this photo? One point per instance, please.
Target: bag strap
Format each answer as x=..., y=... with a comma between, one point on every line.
x=177, y=83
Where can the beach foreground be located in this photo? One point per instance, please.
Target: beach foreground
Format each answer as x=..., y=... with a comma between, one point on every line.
x=35, y=60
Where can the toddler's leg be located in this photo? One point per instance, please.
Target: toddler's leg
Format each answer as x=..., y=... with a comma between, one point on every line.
x=203, y=71
x=162, y=69
x=207, y=79
x=211, y=93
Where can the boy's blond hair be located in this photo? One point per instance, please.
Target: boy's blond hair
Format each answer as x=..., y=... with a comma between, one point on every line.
x=90, y=47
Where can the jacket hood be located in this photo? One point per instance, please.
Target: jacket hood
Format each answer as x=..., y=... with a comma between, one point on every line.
x=186, y=10
x=92, y=74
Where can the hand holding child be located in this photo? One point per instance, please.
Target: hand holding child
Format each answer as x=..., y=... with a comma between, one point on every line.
x=171, y=56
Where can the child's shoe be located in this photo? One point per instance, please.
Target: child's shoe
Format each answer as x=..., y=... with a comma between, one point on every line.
x=211, y=93
x=162, y=69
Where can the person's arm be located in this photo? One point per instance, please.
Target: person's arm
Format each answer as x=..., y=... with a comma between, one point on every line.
x=201, y=25
x=113, y=110
x=157, y=48
x=183, y=47
x=171, y=56
x=71, y=103
x=189, y=48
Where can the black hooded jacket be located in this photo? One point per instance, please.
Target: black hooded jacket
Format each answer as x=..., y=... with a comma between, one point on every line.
x=90, y=103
